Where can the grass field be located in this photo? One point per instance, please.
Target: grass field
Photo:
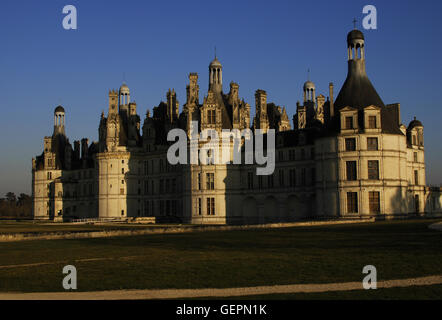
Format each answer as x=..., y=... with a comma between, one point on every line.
x=31, y=227
x=222, y=259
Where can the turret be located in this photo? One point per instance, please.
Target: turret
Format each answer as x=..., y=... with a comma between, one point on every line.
x=59, y=121
x=216, y=76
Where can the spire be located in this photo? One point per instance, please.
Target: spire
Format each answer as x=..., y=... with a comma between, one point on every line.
x=354, y=23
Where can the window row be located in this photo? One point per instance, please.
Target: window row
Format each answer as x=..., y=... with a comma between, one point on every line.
x=296, y=177
x=372, y=144
x=210, y=206
x=210, y=181
x=374, y=203
x=352, y=171
x=293, y=154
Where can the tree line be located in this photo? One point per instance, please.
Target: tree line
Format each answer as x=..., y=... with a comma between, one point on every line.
x=13, y=207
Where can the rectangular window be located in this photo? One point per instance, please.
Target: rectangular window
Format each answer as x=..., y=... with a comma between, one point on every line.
x=250, y=180
x=281, y=155
x=372, y=144
x=49, y=175
x=352, y=202
x=211, y=117
x=416, y=177
x=291, y=155
x=146, y=187
x=122, y=191
x=167, y=207
x=350, y=144
x=146, y=208
x=161, y=207
x=161, y=186
x=351, y=170
x=374, y=202
x=281, y=178
x=372, y=122
x=210, y=206
x=199, y=181
x=303, y=179
x=199, y=207
x=349, y=123
x=415, y=156
x=270, y=181
x=146, y=168
x=210, y=181
x=373, y=169
x=292, y=177
x=313, y=176
x=259, y=182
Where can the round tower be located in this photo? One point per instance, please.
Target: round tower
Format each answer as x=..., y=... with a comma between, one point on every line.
x=309, y=92
x=124, y=95
x=355, y=45
x=216, y=76
x=59, y=120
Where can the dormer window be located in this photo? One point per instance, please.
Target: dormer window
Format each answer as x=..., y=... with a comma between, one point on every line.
x=372, y=119
x=372, y=122
x=349, y=120
x=211, y=117
x=349, y=123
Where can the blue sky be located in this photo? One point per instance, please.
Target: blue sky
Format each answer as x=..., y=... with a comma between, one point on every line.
x=262, y=44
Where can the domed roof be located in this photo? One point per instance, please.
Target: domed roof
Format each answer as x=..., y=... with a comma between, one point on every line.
x=414, y=123
x=59, y=109
x=215, y=63
x=309, y=85
x=355, y=35
x=124, y=88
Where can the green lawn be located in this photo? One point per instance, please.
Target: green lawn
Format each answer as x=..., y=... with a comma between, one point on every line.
x=322, y=254
x=50, y=227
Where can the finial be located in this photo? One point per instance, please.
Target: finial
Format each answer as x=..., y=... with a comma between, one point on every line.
x=354, y=23
x=308, y=74
x=215, y=52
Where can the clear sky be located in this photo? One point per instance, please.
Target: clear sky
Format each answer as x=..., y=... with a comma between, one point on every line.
x=262, y=45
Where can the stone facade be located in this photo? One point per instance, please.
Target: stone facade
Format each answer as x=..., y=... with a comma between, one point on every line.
x=351, y=157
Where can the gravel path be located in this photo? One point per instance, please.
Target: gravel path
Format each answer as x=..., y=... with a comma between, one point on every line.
x=211, y=293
